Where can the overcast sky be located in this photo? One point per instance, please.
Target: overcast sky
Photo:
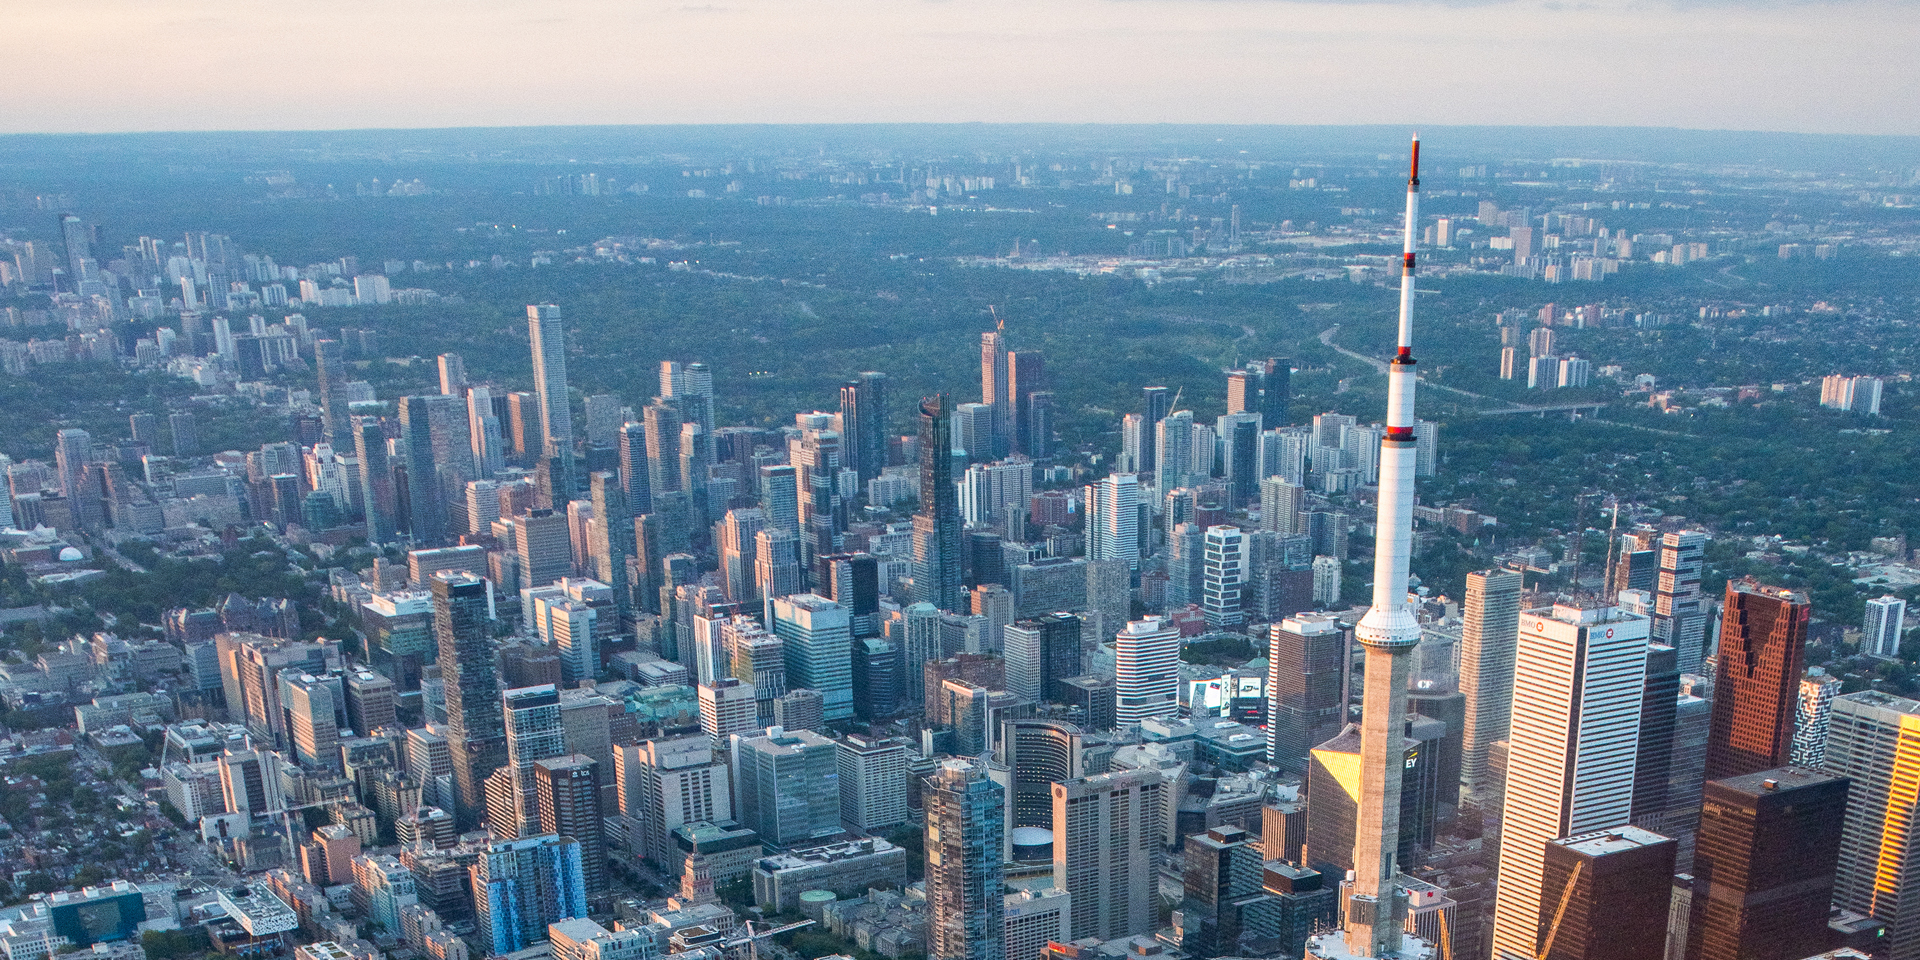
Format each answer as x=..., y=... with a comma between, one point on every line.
x=1796, y=65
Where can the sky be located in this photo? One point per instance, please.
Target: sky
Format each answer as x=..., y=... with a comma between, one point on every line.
x=1811, y=66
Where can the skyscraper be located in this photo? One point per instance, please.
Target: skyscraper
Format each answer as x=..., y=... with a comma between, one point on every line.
x=1155, y=403
x=817, y=636
x=1220, y=578
x=548, y=334
x=1107, y=833
x=1874, y=739
x=1280, y=503
x=1026, y=376
x=636, y=478
x=1305, y=695
x=1679, y=612
x=1578, y=685
x=1041, y=652
x=332, y=376
x=475, y=727
x=1146, y=671
x=531, y=716
x=936, y=528
x=993, y=384
x=1814, y=711
x=426, y=508
x=1763, y=637
x=612, y=540
x=789, y=785
x=453, y=374
x=73, y=450
x=1605, y=895
x=520, y=886
x=863, y=419
x=1764, y=863
x=1113, y=519
x=966, y=834
x=1489, y=632
x=738, y=530
x=1881, y=626
x=873, y=781
x=569, y=806
x=377, y=495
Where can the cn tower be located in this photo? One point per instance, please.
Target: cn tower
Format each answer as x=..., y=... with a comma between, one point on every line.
x=1373, y=906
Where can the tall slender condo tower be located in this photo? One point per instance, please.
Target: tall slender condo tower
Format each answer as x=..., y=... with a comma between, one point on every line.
x=1373, y=907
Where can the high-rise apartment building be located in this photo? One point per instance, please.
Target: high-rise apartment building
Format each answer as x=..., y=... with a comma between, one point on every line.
x=636, y=479
x=1812, y=713
x=1881, y=626
x=1113, y=519
x=1108, y=831
x=1763, y=865
x=476, y=729
x=1306, y=695
x=1280, y=504
x=936, y=528
x=548, y=334
x=1577, y=691
x=1146, y=673
x=1763, y=638
x=863, y=420
x=545, y=547
x=522, y=885
x=568, y=799
x=1489, y=634
x=1679, y=611
x=1220, y=578
x=966, y=836
x=531, y=716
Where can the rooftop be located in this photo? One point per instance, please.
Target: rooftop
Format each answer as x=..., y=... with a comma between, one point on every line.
x=1617, y=840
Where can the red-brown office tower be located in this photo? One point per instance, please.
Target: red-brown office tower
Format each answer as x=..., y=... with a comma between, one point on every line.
x=1764, y=863
x=1763, y=639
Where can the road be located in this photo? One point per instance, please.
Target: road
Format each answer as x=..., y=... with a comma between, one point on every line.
x=1380, y=367
x=1504, y=407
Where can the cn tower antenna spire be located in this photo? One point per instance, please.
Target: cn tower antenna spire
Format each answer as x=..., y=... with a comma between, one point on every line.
x=1373, y=904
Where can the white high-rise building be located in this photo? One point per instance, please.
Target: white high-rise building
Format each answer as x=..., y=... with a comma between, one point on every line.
x=549, y=338
x=873, y=781
x=667, y=783
x=727, y=707
x=1326, y=581
x=1578, y=684
x=1106, y=853
x=1113, y=519
x=1813, y=714
x=1146, y=671
x=1880, y=627
x=1226, y=548
x=1489, y=632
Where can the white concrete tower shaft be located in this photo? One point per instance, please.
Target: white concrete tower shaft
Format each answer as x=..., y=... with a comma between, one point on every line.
x=1374, y=908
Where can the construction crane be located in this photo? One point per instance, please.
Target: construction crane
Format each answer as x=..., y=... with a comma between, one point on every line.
x=1560, y=912
x=751, y=940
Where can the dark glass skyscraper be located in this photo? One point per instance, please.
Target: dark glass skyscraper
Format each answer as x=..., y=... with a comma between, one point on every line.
x=636, y=468
x=936, y=528
x=1605, y=895
x=1763, y=641
x=548, y=334
x=863, y=421
x=376, y=479
x=1763, y=865
x=426, y=511
x=475, y=727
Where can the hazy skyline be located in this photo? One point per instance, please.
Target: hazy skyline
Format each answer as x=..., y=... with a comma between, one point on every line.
x=119, y=65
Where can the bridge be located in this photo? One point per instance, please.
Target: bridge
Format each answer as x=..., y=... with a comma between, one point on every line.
x=1498, y=408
